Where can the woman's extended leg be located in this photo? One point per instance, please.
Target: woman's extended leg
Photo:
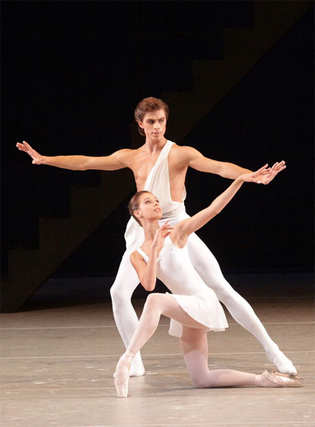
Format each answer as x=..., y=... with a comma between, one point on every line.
x=194, y=345
x=209, y=270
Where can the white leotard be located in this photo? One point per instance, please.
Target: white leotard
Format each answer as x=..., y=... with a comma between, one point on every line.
x=176, y=271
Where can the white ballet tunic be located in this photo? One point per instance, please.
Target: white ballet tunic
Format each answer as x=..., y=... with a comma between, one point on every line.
x=176, y=271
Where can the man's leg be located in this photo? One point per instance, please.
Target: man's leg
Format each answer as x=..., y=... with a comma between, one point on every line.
x=209, y=270
x=125, y=316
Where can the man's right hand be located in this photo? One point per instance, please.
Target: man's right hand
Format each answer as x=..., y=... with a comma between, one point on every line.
x=37, y=159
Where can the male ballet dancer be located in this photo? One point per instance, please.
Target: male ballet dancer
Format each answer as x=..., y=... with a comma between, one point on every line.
x=160, y=166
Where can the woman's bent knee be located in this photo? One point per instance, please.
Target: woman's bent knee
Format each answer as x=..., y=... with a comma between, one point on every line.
x=153, y=299
x=200, y=382
x=156, y=301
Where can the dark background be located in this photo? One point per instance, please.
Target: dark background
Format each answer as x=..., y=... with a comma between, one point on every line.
x=72, y=73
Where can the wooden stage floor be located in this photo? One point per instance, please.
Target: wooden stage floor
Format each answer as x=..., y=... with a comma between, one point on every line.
x=57, y=362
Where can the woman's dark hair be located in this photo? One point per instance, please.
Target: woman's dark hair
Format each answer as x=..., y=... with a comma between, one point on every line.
x=148, y=105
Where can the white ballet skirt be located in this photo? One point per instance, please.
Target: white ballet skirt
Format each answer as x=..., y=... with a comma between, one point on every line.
x=176, y=271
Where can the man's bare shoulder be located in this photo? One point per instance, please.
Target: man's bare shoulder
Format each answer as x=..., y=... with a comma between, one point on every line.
x=184, y=153
x=126, y=155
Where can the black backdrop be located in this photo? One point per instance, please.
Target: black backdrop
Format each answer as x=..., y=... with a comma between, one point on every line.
x=72, y=73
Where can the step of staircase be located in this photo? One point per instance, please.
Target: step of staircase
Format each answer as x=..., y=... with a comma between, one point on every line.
x=243, y=48
x=60, y=237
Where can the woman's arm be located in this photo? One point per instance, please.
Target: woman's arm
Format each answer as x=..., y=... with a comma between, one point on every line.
x=115, y=161
x=184, y=228
x=147, y=272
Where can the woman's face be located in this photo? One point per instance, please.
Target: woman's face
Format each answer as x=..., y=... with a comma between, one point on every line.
x=149, y=207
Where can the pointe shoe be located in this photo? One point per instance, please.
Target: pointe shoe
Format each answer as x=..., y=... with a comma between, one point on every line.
x=122, y=389
x=122, y=375
x=283, y=364
x=283, y=380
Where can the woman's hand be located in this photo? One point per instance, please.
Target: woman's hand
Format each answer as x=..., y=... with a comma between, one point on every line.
x=161, y=234
x=37, y=159
x=276, y=168
x=263, y=175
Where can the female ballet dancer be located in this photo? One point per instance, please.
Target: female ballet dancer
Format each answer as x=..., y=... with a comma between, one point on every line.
x=192, y=307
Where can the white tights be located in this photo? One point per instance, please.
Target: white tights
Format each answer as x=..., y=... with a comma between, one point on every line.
x=208, y=268
x=194, y=345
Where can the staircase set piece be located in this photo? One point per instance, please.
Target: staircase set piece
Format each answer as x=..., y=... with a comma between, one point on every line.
x=212, y=80
x=60, y=237
x=243, y=48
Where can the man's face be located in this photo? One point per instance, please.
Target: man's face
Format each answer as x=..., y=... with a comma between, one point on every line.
x=154, y=124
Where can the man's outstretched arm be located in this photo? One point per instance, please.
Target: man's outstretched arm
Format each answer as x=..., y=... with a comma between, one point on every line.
x=197, y=161
x=115, y=161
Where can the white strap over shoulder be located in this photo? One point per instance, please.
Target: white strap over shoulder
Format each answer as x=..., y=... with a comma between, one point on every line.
x=145, y=256
x=149, y=184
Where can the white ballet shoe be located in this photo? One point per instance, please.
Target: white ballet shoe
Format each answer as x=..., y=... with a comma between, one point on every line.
x=135, y=371
x=283, y=364
x=122, y=374
x=277, y=379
